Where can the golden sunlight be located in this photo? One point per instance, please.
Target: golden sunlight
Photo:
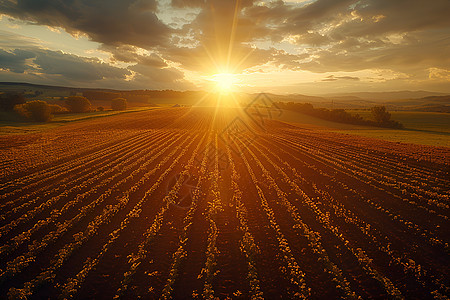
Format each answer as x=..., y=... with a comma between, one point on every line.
x=239, y=149
x=225, y=82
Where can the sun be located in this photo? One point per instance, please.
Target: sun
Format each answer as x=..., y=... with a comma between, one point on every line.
x=225, y=82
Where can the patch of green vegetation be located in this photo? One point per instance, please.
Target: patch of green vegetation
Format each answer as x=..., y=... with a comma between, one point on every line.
x=297, y=117
x=11, y=123
x=422, y=128
x=64, y=118
x=427, y=121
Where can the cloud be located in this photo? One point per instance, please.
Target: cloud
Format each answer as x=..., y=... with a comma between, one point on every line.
x=115, y=22
x=166, y=78
x=322, y=36
x=339, y=19
x=9, y=40
x=39, y=64
x=188, y=3
x=72, y=67
x=15, y=61
x=76, y=68
x=336, y=35
x=130, y=54
x=206, y=3
x=440, y=74
x=417, y=53
x=335, y=78
x=221, y=38
x=350, y=35
x=382, y=17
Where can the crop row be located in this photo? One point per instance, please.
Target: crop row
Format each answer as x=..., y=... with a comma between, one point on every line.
x=291, y=267
x=376, y=179
x=104, y=218
x=430, y=236
x=135, y=259
x=110, y=170
x=373, y=235
x=73, y=284
x=247, y=243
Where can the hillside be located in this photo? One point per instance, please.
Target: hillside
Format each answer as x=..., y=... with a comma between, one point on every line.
x=383, y=96
x=401, y=100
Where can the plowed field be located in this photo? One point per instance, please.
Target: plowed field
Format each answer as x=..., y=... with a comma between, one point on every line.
x=203, y=203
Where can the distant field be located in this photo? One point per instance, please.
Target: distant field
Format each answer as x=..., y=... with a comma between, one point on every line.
x=423, y=128
x=206, y=203
x=404, y=136
x=296, y=117
x=429, y=121
x=95, y=114
x=10, y=125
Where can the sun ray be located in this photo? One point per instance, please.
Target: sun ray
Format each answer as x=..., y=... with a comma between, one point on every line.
x=224, y=82
x=233, y=33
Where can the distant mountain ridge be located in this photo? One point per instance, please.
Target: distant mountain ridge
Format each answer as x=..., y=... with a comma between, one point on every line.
x=25, y=85
x=356, y=96
x=444, y=99
x=377, y=96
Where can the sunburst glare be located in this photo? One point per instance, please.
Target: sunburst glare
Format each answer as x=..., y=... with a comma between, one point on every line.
x=225, y=83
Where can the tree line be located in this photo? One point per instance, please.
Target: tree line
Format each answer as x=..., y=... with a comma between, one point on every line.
x=41, y=111
x=381, y=117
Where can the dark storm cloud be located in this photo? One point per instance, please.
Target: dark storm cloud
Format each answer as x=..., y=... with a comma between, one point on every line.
x=114, y=22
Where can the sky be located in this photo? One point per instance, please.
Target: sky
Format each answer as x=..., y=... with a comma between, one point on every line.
x=305, y=46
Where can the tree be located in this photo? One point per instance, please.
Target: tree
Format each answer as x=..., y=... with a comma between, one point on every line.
x=37, y=110
x=9, y=100
x=380, y=114
x=119, y=104
x=57, y=109
x=38, y=93
x=99, y=95
x=78, y=104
